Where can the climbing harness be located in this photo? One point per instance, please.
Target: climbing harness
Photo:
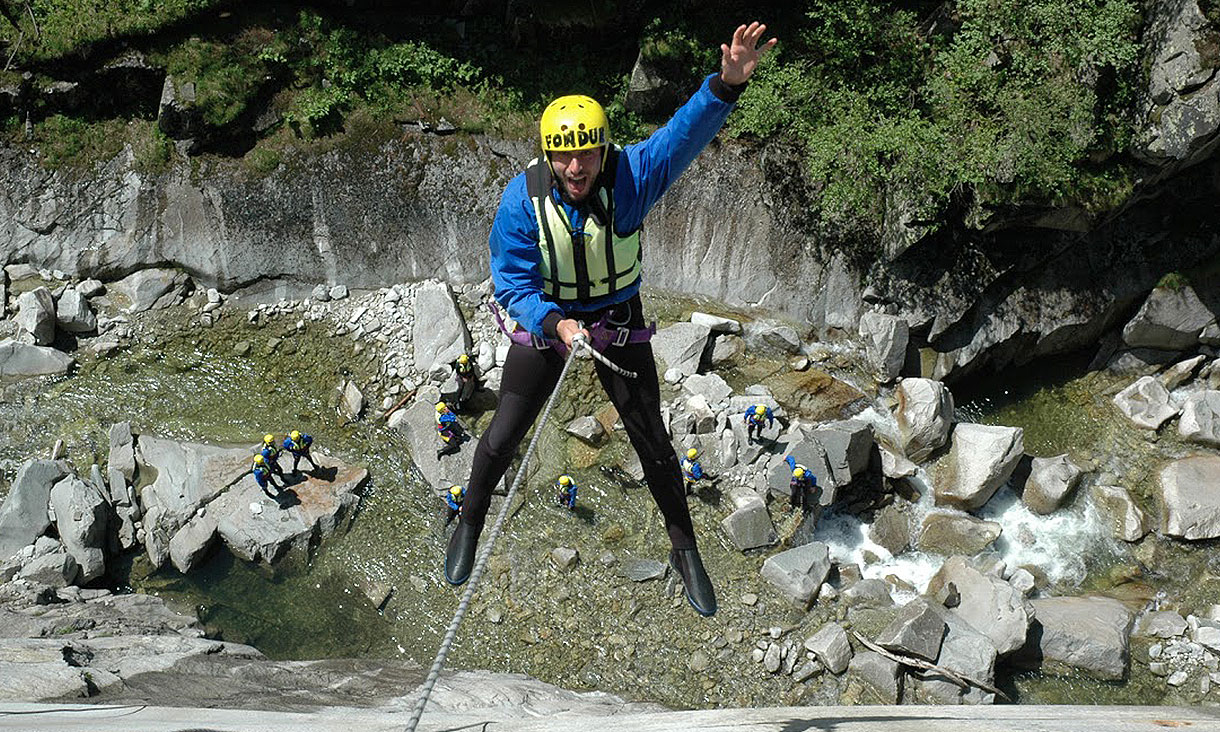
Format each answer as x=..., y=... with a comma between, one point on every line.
x=485, y=552
x=603, y=334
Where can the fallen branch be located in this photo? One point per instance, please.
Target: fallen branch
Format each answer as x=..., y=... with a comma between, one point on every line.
x=398, y=406
x=961, y=680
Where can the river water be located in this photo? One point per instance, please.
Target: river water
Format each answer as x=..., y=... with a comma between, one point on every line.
x=586, y=629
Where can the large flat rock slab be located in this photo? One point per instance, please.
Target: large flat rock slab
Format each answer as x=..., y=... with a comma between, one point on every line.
x=84, y=718
x=315, y=507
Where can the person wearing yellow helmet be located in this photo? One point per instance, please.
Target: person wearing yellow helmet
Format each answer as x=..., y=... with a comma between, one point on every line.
x=448, y=429
x=692, y=471
x=467, y=374
x=757, y=417
x=803, y=486
x=565, y=248
x=263, y=476
x=297, y=444
x=567, y=492
x=453, y=502
x=271, y=454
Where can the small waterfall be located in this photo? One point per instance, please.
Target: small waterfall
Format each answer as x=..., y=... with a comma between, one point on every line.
x=1057, y=544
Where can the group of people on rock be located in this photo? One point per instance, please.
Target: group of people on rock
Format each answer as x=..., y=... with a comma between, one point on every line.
x=266, y=464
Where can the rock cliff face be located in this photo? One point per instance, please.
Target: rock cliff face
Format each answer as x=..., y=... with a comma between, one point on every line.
x=736, y=227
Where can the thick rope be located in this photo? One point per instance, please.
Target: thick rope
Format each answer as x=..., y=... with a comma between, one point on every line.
x=600, y=357
x=484, y=553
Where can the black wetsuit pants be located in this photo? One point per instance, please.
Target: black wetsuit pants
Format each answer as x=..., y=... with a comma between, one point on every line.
x=530, y=374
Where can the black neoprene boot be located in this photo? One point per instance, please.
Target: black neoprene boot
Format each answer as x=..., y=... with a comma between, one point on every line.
x=699, y=591
x=459, y=557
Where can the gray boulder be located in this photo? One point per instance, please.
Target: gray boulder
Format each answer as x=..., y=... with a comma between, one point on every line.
x=81, y=513
x=190, y=544
x=1190, y=503
x=22, y=360
x=776, y=336
x=150, y=289
x=1200, y=420
x=681, y=346
x=1127, y=521
x=870, y=592
x=1162, y=624
x=1146, y=403
x=924, y=415
x=847, y=445
x=58, y=569
x=266, y=534
x=891, y=528
x=90, y=287
x=798, y=573
x=188, y=476
x=1169, y=320
x=36, y=315
x=988, y=604
x=587, y=429
x=956, y=533
x=351, y=400
x=1050, y=481
x=873, y=679
x=831, y=646
x=1070, y=635
x=1179, y=373
x=749, y=526
x=715, y=323
x=122, y=450
x=23, y=515
x=885, y=342
x=727, y=349
x=711, y=387
x=73, y=314
x=965, y=651
x=439, y=333
x=917, y=631
x=980, y=460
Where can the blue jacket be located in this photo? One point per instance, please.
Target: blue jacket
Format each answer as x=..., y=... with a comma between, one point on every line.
x=691, y=469
x=753, y=415
x=296, y=449
x=455, y=505
x=645, y=171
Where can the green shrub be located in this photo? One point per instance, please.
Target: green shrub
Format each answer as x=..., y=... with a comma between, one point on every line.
x=71, y=144
x=152, y=151
x=68, y=26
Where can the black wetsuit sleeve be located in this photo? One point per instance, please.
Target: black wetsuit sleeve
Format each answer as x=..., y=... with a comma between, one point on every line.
x=724, y=92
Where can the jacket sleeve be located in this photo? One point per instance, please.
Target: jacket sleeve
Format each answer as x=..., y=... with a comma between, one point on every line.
x=515, y=260
x=646, y=169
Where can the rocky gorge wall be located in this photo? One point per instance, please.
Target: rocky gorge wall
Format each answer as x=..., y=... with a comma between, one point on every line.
x=991, y=287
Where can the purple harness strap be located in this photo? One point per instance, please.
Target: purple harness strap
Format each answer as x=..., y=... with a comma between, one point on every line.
x=601, y=334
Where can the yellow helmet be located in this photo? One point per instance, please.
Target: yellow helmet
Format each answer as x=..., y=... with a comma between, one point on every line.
x=760, y=408
x=463, y=359
x=691, y=453
x=565, y=480
x=455, y=490
x=574, y=122
x=440, y=407
x=268, y=438
x=798, y=473
x=258, y=459
x=295, y=435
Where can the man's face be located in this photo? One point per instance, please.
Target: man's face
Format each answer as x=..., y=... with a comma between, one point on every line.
x=576, y=171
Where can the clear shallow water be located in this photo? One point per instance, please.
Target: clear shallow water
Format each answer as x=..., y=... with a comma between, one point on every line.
x=589, y=628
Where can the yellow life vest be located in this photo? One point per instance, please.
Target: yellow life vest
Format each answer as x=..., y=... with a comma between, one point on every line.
x=605, y=262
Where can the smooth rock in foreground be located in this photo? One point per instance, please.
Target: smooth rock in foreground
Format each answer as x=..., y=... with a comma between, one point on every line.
x=1190, y=501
